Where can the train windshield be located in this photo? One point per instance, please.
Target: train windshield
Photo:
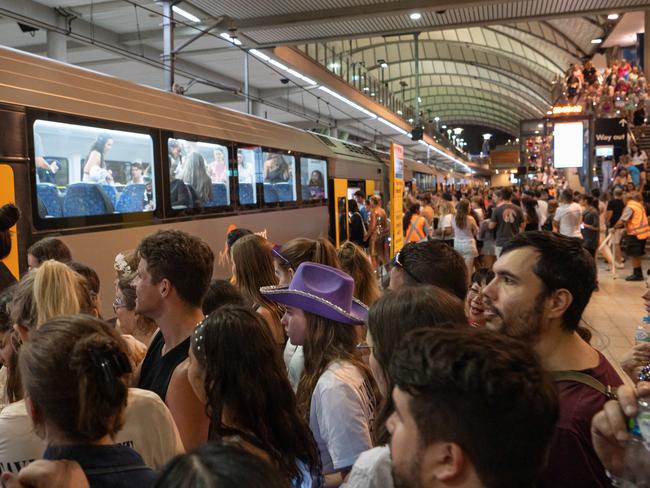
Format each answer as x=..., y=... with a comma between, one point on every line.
x=313, y=178
x=198, y=173
x=83, y=170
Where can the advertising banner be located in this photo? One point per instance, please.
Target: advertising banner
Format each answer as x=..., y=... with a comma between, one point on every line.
x=396, y=197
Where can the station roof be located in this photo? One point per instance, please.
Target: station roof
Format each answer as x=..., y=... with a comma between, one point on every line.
x=488, y=62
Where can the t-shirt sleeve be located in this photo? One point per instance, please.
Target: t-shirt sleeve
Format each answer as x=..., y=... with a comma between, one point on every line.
x=627, y=214
x=591, y=218
x=559, y=213
x=343, y=425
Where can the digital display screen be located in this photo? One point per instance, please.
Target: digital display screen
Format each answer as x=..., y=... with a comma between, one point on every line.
x=568, y=144
x=605, y=151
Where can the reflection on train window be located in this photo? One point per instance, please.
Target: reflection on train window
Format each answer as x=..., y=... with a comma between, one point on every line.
x=313, y=178
x=198, y=173
x=83, y=170
x=279, y=176
x=247, y=176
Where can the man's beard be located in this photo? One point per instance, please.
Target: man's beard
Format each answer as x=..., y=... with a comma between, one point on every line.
x=525, y=324
x=410, y=477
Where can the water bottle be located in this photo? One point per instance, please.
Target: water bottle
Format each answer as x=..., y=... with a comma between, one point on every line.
x=643, y=331
x=637, y=451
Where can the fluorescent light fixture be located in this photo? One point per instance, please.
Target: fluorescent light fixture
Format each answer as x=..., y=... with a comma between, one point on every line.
x=230, y=39
x=372, y=94
x=365, y=88
x=443, y=127
x=597, y=40
x=612, y=17
x=334, y=66
x=348, y=102
x=184, y=13
x=393, y=126
x=292, y=72
x=550, y=112
x=419, y=100
x=415, y=16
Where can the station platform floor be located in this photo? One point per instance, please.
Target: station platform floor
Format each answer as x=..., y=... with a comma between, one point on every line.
x=615, y=311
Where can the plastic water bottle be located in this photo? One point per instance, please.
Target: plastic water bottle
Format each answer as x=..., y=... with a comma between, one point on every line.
x=637, y=451
x=643, y=331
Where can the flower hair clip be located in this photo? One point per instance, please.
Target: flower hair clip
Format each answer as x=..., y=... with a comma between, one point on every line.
x=121, y=266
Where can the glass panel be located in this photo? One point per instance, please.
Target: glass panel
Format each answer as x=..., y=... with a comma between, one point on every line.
x=198, y=173
x=84, y=170
x=247, y=175
x=279, y=173
x=313, y=178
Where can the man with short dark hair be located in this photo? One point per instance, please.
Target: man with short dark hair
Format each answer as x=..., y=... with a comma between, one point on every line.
x=361, y=202
x=173, y=276
x=568, y=216
x=429, y=263
x=507, y=219
x=472, y=409
x=543, y=283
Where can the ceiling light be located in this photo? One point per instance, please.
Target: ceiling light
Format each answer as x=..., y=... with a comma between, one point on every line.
x=382, y=63
x=437, y=119
x=334, y=66
x=550, y=112
x=231, y=39
x=419, y=100
x=399, y=112
x=444, y=126
x=187, y=15
x=415, y=16
x=348, y=102
x=612, y=17
x=597, y=40
x=410, y=121
x=393, y=126
x=372, y=94
x=458, y=131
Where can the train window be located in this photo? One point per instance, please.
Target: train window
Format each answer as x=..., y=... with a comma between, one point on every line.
x=198, y=173
x=83, y=170
x=247, y=175
x=279, y=175
x=313, y=178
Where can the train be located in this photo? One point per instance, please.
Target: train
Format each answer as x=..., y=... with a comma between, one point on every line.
x=101, y=162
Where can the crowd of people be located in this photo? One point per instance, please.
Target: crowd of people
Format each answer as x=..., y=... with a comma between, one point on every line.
x=618, y=90
x=467, y=368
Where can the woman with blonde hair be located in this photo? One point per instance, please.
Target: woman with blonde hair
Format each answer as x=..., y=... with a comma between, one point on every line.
x=252, y=267
x=465, y=230
x=355, y=262
x=378, y=232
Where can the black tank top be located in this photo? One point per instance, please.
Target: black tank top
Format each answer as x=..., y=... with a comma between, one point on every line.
x=156, y=371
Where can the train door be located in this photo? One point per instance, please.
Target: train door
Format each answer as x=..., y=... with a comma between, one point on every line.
x=338, y=210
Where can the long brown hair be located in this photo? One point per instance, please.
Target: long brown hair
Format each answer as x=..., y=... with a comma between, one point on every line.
x=297, y=251
x=13, y=387
x=326, y=342
x=75, y=371
x=253, y=261
x=462, y=212
x=355, y=262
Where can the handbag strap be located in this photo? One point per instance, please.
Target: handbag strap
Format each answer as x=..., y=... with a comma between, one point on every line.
x=585, y=379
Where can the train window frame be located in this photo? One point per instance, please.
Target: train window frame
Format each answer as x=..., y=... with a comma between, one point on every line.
x=65, y=223
x=311, y=202
x=171, y=212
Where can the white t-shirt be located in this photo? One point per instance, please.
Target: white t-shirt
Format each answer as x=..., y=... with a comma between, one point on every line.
x=148, y=428
x=294, y=360
x=373, y=469
x=569, y=218
x=3, y=384
x=443, y=223
x=341, y=413
x=542, y=212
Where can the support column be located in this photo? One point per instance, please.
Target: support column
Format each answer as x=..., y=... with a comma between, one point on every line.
x=246, y=84
x=416, y=40
x=57, y=44
x=168, y=45
x=646, y=45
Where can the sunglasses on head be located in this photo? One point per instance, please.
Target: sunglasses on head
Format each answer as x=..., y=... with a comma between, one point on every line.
x=396, y=262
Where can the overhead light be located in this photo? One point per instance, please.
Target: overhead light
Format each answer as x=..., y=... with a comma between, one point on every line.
x=612, y=17
x=550, y=112
x=419, y=100
x=437, y=119
x=372, y=94
x=184, y=13
x=365, y=88
x=415, y=16
x=399, y=112
x=540, y=125
x=334, y=66
x=231, y=39
x=410, y=120
x=348, y=102
x=597, y=40
x=277, y=64
x=444, y=127
x=458, y=131
x=382, y=63
x=393, y=126
x=487, y=136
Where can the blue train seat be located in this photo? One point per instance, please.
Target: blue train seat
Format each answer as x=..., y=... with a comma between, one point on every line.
x=131, y=199
x=49, y=196
x=246, y=194
x=270, y=195
x=219, y=195
x=82, y=199
x=285, y=192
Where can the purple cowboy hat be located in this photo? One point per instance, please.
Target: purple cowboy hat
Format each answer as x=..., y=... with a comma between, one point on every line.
x=321, y=290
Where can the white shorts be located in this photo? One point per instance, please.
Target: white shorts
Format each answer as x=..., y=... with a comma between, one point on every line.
x=466, y=248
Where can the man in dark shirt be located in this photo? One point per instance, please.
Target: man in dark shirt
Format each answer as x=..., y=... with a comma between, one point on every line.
x=614, y=211
x=590, y=223
x=507, y=219
x=173, y=277
x=543, y=283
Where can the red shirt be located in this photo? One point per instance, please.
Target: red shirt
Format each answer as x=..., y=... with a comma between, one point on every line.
x=573, y=463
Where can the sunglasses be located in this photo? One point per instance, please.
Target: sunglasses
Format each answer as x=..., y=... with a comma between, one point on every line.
x=396, y=262
x=119, y=302
x=276, y=252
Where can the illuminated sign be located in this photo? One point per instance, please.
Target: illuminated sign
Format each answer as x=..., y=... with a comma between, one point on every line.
x=397, y=197
x=567, y=110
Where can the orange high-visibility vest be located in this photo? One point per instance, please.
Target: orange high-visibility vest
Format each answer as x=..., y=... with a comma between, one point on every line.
x=637, y=225
x=416, y=231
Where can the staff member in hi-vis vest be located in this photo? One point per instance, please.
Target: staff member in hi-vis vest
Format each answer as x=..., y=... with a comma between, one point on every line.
x=635, y=221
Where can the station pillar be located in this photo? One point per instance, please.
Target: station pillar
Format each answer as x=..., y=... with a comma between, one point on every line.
x=646, y=45
x=57, y=45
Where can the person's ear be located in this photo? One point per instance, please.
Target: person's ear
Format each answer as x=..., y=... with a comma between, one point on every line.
x=23, y=332
x=558, y=303
x=165, y=287
x=442, y=461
